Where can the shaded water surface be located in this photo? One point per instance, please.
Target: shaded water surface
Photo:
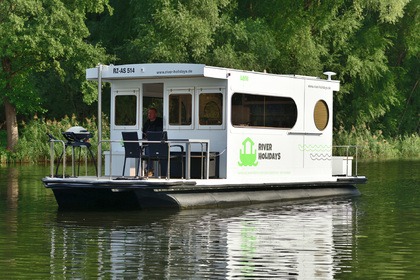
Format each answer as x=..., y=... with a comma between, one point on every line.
x=374, y=236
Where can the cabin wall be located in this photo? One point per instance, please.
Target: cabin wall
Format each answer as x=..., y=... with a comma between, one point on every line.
x=215, y=133
x=317, y=144
x=195, y=129
x=261, y=126
x=300, y=152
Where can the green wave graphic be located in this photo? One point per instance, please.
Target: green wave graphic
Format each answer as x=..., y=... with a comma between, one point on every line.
x=315, y=156
x=314, y=148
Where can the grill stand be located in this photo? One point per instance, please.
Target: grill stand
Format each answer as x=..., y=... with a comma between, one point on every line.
x=74, y=145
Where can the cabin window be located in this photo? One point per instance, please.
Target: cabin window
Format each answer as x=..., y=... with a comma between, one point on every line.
x=321, y=115
x=125, y=110
x=211, y=109
x=180, y=109
x=251, y=110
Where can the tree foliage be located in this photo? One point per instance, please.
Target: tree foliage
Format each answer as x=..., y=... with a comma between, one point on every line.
x=36, y=36
x=373, y=45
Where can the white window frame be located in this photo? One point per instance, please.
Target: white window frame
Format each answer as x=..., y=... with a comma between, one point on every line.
x=184, y=90
x=121, y=92
x=207, y=90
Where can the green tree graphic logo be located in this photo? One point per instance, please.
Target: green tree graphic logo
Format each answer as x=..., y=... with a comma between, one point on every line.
x=248, y=155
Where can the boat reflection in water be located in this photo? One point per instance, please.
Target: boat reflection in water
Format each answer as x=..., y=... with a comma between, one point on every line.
x=297, y=241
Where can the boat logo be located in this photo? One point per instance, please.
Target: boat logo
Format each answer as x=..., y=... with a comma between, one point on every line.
x=248, y=154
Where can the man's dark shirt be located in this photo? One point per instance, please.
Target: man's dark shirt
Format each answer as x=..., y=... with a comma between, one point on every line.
x=156, y=125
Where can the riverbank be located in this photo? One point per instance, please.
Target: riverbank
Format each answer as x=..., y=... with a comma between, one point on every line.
x=33, y=141
x=374, y=145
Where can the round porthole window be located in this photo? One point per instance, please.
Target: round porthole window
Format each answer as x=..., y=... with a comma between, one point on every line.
x=321, y=115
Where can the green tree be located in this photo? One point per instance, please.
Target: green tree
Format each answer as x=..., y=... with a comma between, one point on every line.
x=36, y=36
x=162, y=30
x=185, y=31
x=372, y=90
x=371, y=44
x=404, y=58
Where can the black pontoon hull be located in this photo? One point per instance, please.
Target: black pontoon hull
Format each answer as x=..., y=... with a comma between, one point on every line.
x=183, y=195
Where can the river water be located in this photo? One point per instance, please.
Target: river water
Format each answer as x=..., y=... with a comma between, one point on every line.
x=374, y=236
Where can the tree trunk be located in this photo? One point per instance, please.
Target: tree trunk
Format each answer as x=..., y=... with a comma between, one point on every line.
x=11, y=125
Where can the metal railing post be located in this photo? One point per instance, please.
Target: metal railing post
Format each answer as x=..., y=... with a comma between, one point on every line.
x=51, y=158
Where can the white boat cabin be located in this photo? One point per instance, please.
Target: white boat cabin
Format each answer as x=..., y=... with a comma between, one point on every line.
x=260, y=127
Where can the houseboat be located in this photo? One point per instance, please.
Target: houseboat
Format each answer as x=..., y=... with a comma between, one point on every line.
x=227, y=137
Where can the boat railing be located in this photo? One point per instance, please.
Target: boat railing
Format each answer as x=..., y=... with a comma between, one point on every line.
x=204, y=154
x=348, y=153
x=52, y=156
x=62, y=158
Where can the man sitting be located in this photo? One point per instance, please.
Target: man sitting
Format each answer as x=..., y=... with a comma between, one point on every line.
x=153, y=123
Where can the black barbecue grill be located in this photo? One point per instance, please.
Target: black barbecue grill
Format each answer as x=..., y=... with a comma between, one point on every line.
x=76, y=136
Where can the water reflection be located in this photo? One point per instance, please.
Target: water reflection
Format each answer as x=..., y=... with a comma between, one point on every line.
x=12, y=188
x=12, y=196
x=374, y=236
x=299, y=241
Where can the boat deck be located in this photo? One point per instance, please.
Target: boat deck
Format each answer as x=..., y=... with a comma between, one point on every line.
x=191, y=184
